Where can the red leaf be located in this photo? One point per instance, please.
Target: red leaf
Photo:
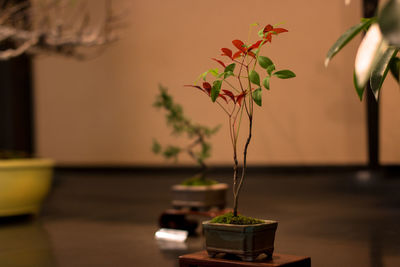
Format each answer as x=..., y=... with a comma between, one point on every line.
x=195, y=86
x=268, y=28
x=230, y=95
x=279, y=30
x=271, y=30
x=252, y=54
x=226, y=52
x=237, y=54
x=223, y=97
x=268, y=37
x=256, y=45
x=239, y=45
x=207, y=87
x=239, y=98
x=220, y=62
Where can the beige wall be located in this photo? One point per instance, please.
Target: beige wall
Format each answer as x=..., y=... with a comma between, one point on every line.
x=99, y=111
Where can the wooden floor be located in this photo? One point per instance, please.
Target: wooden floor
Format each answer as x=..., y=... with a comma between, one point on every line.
x=109, y=219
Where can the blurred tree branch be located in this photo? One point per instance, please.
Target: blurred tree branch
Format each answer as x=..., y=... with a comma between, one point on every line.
x=64, y=27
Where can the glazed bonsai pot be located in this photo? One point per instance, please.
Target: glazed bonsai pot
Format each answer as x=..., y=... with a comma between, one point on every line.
x=199, y=196
x=24, y=183
x=244, y=241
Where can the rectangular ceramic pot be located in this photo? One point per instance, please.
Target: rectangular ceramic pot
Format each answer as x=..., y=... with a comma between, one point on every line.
x=199, y=196
x=244, y=241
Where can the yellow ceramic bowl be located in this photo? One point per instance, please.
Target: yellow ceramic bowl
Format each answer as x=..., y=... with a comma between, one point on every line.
x=24, y=183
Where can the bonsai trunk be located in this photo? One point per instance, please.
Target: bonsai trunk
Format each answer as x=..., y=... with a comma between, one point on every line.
x=239, y=186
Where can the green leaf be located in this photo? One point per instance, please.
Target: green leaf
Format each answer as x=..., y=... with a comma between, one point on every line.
x=214, y=72
x=229, y=70
x=380, y=71
x=230, y=67
x=156, y=148
x=266, y=82
x=359, y=90
x=257, y=94
x=347, y=37
x=228, y=74
x=254, y=77
x=261, y=33
x=270, y=69
x=216, y=88
x=284, y=74
x=389, y=22
x=264, y=62
x=394, y=66
x=172, y=152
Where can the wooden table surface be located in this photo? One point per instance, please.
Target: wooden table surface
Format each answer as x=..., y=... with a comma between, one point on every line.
x=201, y=258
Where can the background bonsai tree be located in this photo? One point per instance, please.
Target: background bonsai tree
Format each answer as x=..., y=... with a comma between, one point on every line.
x=377, y=53
x=199, y=149
x=238, y=88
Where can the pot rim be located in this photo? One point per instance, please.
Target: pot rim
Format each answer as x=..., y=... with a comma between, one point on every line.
x=25, y=163
x=266, y=222
x=218, y=186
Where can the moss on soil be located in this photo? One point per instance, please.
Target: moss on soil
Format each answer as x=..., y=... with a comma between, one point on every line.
x=228, y=218
x=199, y=180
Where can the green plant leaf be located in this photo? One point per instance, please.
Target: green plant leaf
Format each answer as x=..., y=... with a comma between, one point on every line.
x=371, y=49
x=284, y=74
x=256, y=95
x=270, y=69
x=229, y=70
x=230, y=67
x=156, y=148
x=347, y=37
x=378, y=74
x=216, y=88
x=214, y=72
x=359, y=90
x=389, y=22
x=394, y=66
x=254, y=77
x=264, y=62
x=266, y=82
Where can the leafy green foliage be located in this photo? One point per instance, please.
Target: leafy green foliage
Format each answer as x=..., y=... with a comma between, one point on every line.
x=257, y=96
x=264, y=62
x=229, y=218
x=171, y=152
x=254, y=77
x=359, y=90
x=216, y=88
x=389, y=22
x=394, y=66
x=376, y=59
x=237, y=97
x=380, y=71
x=199, y=149
x=270, y=69
x=156, y=148
x=284, y=74
x=347, y=37
x=266, y=82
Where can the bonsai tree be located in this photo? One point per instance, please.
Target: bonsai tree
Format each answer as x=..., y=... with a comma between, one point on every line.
x=237, y=89
x=199, y=149
x=377, y=53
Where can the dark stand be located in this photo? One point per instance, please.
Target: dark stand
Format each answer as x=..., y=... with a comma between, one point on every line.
x=200, y=259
